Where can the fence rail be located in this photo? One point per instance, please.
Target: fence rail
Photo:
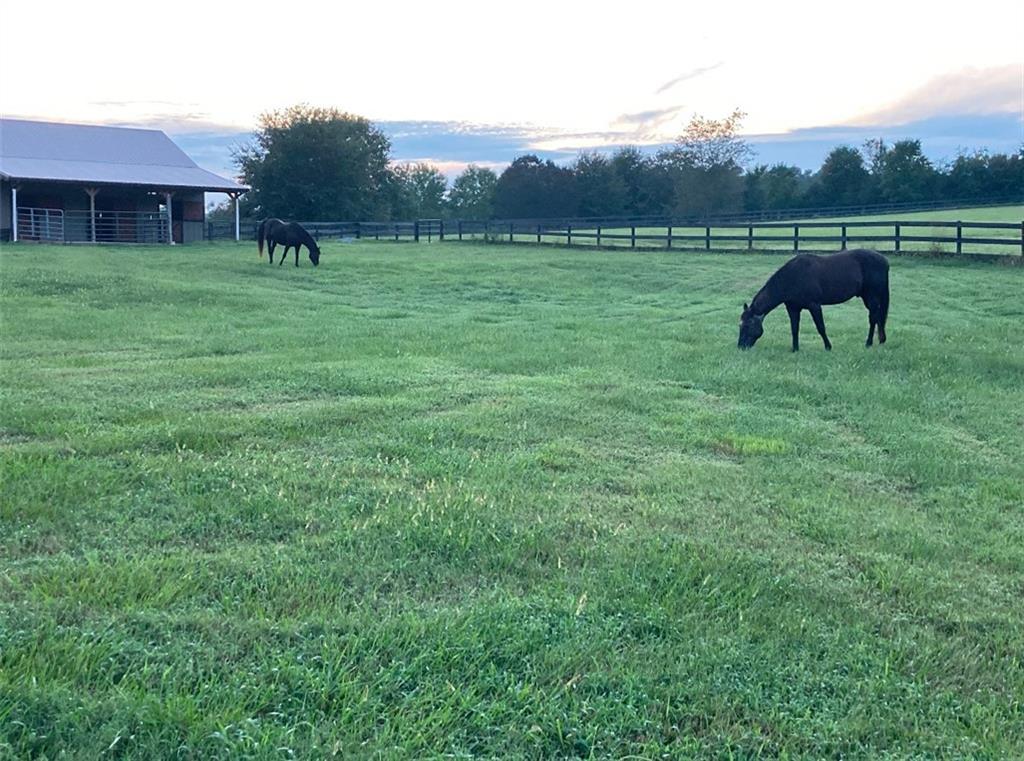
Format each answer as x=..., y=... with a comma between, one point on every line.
x=897, y=236
x=427, y=229
x=992, y=238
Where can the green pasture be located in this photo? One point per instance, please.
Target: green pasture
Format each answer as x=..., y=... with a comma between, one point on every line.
x=469, y=501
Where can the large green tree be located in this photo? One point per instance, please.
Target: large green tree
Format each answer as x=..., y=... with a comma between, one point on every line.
x=310, y=163
x=602, y=192
x=776, y=187
x=902, y=172
x=533, y=188
x=842, y=180
x=418, y=192
x=472, y=193
x=646, y=182
x=706, y=164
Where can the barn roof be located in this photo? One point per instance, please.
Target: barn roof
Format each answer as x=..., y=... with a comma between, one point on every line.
x=31, y=150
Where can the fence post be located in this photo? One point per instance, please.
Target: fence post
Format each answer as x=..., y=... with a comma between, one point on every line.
x=632, y=236
x=959, y=237
x=844, y=237
x=460, y=229
x=538, y=232
x=796, y=238
x=669, y=243
x=568, y=235
x=440, y=233
x=897, y=236
x=599, y=235
x=750, y=237
x=416, y=231
x=1022, y=238
x=511, y=232
x=707, y=238
x=359, y=231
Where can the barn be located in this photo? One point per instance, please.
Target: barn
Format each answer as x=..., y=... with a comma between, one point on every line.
x=90, y=183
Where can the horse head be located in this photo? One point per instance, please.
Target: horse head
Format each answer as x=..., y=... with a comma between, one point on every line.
x=314, y=254
x=750, y=327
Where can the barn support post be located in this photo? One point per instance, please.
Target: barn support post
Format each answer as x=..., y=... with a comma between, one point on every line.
x=92, y=212
x=238, y=232
x=170, y=220
x=14, y=213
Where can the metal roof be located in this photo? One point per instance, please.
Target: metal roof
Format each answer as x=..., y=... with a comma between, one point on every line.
x=57, y=152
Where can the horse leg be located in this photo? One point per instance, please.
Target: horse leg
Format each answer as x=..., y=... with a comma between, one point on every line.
x=871, y=320
x=297, y=255
x=819, y=323
x=284, y=255
x=794, y=324
x=271, y=245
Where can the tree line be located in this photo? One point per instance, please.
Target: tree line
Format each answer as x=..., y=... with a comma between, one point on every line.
x=323, y=164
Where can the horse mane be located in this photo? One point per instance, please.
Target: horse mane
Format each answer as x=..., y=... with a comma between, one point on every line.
x=308, y=240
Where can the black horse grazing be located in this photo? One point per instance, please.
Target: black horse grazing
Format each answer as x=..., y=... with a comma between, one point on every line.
x=289, y=235
x=808, y=282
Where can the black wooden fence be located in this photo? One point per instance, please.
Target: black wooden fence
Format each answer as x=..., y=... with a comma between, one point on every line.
x=966, y=238
x=974, y=238
x=427, y=229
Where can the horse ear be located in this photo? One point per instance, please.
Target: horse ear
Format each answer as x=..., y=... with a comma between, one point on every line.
x=745, y=307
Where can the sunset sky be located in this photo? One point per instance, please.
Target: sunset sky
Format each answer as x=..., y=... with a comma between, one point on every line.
x=455, y=82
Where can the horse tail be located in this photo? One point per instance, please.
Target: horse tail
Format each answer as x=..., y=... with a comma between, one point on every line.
x=261, y=235
x=883, y=299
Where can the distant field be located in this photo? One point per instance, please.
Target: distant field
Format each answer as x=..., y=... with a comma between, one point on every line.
x=1010, y=214
x=477, y=501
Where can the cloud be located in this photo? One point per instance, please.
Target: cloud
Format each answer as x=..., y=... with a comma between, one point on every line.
x=648, y=120
x=452, y=169
x=995, y=90
x=692, y=74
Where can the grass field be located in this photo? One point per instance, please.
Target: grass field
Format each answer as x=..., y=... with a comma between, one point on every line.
x=1009, y=214
x=471, y=501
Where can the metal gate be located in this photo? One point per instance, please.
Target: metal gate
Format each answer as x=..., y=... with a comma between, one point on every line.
x=40, y=224
x=84, y=226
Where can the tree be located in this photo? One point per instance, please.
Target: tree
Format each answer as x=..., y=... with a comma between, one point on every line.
x=776, y=187
x=1006, y=175
x=418, y=192
x=532, y=188
x=706, y=164
x=842, y=180
x=313, y=163
x=711, y=143
x=472, y=193
x=902, y=173
x=602, y=192
x=968, y=176
x=646, y=182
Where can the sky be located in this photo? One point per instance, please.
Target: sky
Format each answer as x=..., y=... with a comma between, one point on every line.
x=481, y=82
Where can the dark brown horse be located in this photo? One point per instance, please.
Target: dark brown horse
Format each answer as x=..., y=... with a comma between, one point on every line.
x=289, y=235
x=810, y=282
